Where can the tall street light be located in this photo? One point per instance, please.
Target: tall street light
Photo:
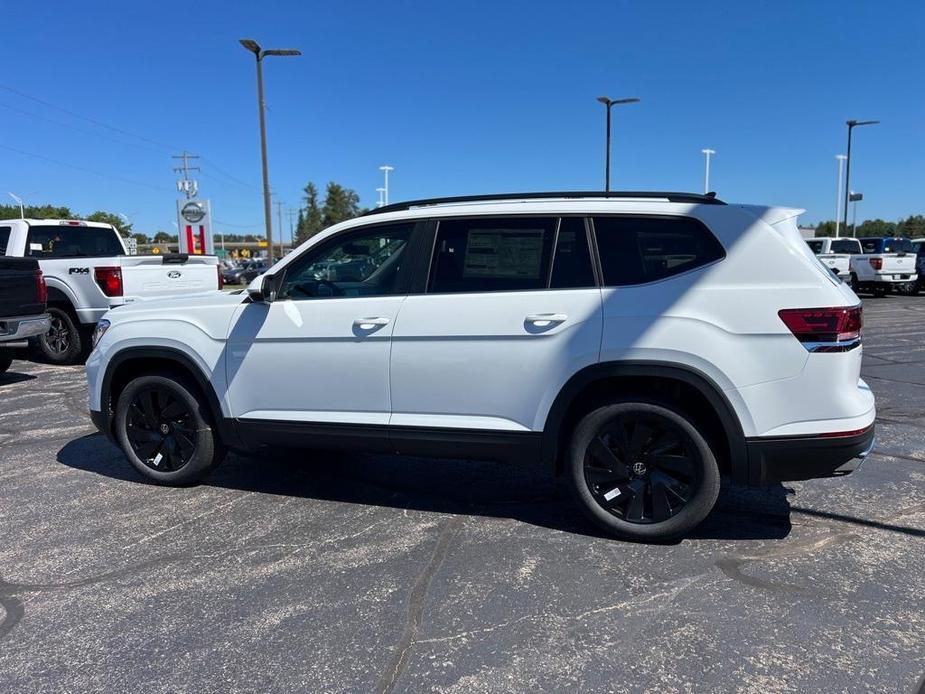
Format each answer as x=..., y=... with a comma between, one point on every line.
x=260, y=54
x=841, y=163
x=610, y=103
x=385, y=191
x=22, y=214
x=381, y=201
x=706, y=173
x=852, y=124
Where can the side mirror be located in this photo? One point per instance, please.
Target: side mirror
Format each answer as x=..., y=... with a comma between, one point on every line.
x=263, y=289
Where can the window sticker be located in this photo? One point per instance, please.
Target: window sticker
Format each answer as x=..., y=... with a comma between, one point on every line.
x=503, y=253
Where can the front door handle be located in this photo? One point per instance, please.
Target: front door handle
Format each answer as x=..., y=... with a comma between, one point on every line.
x=370, y=323
x=543, y=320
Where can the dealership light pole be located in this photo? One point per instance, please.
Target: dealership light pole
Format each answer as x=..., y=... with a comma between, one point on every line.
x=841, y=163
x=610, y=103
x=381, y=200
x=385, y=191
x=852, y=124
x=706, y=173
x=260, y=54
x=22, y=213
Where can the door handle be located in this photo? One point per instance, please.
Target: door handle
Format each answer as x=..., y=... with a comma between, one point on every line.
x=542, y=320
x=369, y=323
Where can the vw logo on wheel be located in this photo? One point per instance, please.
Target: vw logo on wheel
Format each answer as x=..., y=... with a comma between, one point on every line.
x=639, y=468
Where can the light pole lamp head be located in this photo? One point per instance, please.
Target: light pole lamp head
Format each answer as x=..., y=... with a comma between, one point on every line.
x=386, y=168
x=841, y=157
x=708, y=151
x=251, y=45
x=855, y=123
x=628, y=100
x=606, y=100
x=282, y=51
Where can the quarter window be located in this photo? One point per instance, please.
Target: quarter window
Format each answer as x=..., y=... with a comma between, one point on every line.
x=360, y=264
x=4, y=239
x=492, y=254
x=635, y=250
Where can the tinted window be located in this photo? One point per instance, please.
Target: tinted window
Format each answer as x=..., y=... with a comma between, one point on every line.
x=872, y=245
x=54, y=241
x=571, y=264
x=366, y=263
x=815, y=246
x=634, y=250
x=898, y=246
x=4, y=239
x=492, y=254
x=846, y=246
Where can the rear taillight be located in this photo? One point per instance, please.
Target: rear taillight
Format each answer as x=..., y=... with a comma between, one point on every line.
x=876, y=263
x=221, y=278
x=828, y=328
x=41, y=289
x=109, y=279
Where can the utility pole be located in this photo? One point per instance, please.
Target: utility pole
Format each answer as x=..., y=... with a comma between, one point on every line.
x=291, y=213
x=385, y=169
x=279, y=221
x=186, y=184
x=706, y=174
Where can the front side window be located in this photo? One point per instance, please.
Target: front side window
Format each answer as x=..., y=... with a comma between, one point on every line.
x=4, y=239
x=63, y=241
x=635, y=250
x=492, y=254
x=365, y=263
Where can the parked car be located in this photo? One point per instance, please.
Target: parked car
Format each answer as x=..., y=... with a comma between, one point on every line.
x=639, y=344
x=253, y=269
x=919, y=246
x=23, y=294
x=88, y=273
x=835, y=254
x=885, y=264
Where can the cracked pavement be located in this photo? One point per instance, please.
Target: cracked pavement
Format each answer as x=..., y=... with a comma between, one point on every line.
x=324, y=572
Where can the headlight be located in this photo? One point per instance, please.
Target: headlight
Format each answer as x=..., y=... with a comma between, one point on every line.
x=100, y=330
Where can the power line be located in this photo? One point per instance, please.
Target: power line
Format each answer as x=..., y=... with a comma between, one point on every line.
x=81, y=168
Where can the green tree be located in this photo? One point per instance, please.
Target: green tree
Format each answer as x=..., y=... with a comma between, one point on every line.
x=141, y=238
x=37, y=212
x=123, y=227
x=161, y=237
x=340, y=204
x=825, y=229
x=311, y=217
x=912, y=226
x=876, y=227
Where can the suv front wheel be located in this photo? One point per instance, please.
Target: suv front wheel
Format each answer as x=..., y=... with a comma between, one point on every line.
x=642, y=470
x=165, y=430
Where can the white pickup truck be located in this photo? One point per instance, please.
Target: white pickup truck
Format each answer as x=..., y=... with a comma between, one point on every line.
x=835, y=253
x=885, y=264
x=88, y=272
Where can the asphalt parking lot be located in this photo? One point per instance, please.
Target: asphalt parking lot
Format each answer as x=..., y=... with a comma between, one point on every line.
x=339, y=573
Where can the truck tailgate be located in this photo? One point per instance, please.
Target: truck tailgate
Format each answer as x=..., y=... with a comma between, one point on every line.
x=18, y=295
x=898, y=264
x=157, y=277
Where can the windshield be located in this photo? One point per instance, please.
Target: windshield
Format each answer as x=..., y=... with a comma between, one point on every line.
x=815, y=246
x=59, y=241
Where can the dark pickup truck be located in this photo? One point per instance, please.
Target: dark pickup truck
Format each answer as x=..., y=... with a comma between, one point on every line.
x=22, y=304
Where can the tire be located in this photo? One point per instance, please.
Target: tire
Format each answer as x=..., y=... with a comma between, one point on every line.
x=64, y=342
x=6, y=359
x=879, y=292
x=854, y=284
x=669, y=485
x=164, y=427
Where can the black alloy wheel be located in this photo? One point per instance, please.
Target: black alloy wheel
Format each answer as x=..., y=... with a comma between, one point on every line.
x=643, y=470
x=161, y=429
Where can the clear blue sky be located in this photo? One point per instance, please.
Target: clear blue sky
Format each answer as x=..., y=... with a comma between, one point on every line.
x=463, y=98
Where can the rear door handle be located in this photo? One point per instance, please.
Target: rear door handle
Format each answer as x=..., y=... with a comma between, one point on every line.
x=369, y=323
x=542, y=320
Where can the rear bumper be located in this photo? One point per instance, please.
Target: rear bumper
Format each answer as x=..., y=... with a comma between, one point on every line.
x=20, y=328
x=793, y=458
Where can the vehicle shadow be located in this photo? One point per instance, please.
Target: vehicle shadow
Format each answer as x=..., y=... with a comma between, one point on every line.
x=11, y=377
x=524, y=492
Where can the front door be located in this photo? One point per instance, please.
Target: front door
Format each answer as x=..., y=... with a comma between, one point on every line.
x=319, y=353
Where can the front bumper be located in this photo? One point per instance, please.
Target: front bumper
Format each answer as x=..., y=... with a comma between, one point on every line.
x=103, y=423
x=792, y=458
x=12, y=329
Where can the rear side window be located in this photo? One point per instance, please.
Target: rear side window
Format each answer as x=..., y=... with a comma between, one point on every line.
x=635, y=250
x=4, y=239
x=54, y=241
x=850, y=246
x=492, y=254
x=872, y=245
x=815, y=246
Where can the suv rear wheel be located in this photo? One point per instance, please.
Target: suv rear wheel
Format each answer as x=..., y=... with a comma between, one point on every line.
x=642, y=470
x=165, y=430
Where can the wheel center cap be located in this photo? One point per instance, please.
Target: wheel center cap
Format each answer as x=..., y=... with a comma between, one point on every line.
x=165, y=429
x=639, y=468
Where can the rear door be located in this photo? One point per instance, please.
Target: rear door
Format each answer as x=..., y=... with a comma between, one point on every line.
x=509, y=311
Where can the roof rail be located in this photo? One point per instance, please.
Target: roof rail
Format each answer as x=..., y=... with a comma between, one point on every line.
x=697, y=198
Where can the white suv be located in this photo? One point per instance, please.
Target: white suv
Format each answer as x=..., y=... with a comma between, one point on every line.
x=641, y=344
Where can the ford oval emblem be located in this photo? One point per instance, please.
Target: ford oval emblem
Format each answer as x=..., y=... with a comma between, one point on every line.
x=173, y=274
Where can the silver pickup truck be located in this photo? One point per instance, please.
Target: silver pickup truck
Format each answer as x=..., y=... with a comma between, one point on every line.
x=89, y=272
